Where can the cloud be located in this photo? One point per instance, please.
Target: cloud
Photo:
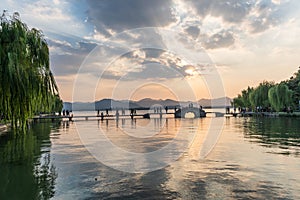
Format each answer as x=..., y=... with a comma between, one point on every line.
x=193, y=31
x=150, y=64
x=265, y=15
x=153, y=71
x=221, y=39
x=233, y=11
x=145, y=53
x=140, y=38
x=258, y=15
x=111, y=16
x=67, y=53
x=141, y=54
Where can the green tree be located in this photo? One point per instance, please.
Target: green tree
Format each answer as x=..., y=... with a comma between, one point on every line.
x=280, y=96
x=259, y=96
x=294, y=84
x=286, y=93
x=243, y=100
x=27, y=84
x=57, y=104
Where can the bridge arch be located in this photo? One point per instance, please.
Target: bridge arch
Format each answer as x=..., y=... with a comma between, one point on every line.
x=198, y=113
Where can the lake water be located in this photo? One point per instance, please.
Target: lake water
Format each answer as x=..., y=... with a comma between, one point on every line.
x=254, y=158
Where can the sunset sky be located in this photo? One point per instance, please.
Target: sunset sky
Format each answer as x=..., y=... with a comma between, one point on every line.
x=180, y=49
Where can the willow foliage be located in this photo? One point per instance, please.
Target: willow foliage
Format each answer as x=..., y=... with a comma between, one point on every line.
x=280, y=96
x=243, y=100
x=27, y=85
x=259, y=96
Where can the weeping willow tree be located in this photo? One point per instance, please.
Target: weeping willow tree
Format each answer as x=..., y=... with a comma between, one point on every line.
x=27, y=84
x=280, y=96
x=243, y=100
x=259, y=96
x=284, y=94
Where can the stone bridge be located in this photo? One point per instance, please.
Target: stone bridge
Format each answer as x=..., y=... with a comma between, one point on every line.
x=198, y=113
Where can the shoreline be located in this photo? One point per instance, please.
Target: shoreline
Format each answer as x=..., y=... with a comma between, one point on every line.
x=267, y=114
x=294, y=114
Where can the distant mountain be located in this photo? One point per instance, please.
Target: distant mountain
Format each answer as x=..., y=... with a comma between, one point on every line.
x=148, y=102
x=113, y=104
x=145, y=103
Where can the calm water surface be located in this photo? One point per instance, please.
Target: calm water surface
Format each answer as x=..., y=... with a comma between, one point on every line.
x=255, y=158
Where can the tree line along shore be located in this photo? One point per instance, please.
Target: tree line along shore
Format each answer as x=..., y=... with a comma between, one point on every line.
x=283, y=97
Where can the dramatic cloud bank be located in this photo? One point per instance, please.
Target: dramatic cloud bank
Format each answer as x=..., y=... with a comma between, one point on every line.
x=252, y=35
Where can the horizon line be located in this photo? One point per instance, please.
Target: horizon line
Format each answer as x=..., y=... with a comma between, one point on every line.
x=144, y=99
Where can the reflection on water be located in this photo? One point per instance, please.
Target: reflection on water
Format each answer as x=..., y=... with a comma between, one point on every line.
x=50, y=161
x=25, y=164
x=282, y=135
x=138, y=145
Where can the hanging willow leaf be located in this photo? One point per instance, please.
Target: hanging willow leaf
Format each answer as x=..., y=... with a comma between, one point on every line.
x=280, y=96
x=27, y=84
